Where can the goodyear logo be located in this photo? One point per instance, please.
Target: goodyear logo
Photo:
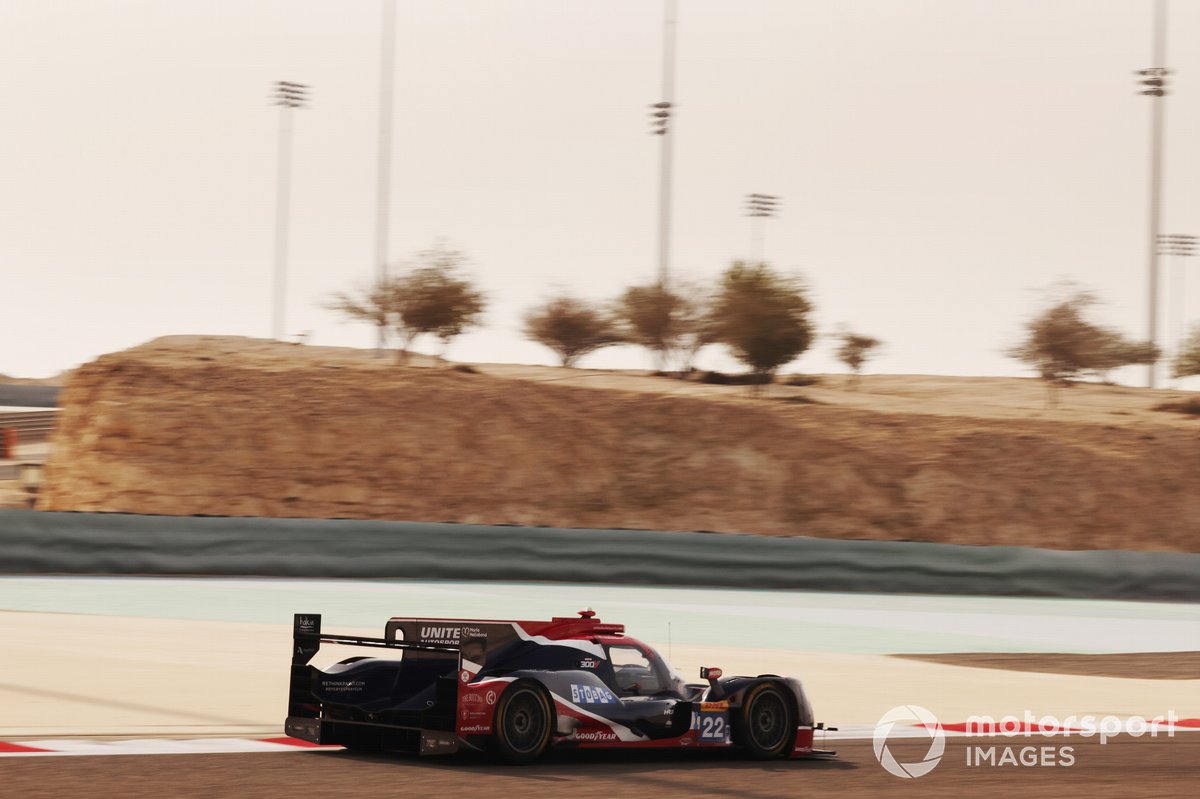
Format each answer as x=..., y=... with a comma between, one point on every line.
x=592, y=695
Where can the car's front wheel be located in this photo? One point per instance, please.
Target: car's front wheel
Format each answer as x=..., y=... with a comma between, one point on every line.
x=768, y=726
x=523, y=724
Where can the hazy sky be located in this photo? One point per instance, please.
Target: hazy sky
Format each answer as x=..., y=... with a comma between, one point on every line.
x=940, y=161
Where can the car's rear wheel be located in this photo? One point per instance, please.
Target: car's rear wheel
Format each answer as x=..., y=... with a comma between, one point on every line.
x=523, y=724
x=768, y=725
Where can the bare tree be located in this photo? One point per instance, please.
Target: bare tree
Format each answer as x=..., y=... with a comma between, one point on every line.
x=1113, y=350
x=762, y=317
x=433, y=297
x=668, y=322
x=1187, y=361
x=647, y=317
x=855, y=351
x=437, y=299
x=1061, y=344
x=571, y=328
x=695, y=327
x=373, y=303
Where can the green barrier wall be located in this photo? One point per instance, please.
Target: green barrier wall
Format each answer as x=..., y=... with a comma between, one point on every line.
x=33, y=542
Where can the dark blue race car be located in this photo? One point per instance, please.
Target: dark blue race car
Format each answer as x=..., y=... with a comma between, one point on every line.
x=518, y=688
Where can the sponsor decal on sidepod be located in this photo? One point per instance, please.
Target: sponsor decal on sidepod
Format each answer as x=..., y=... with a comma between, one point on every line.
x=592, y=695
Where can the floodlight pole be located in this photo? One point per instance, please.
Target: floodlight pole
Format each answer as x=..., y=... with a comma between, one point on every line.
x=1155, y=80
x=661, y=118
x=383, y=173
x=759, y=207
x=1179, y=246
x=287, y=96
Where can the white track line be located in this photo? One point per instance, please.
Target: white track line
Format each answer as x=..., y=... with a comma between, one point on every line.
x=67, y=747
x=157, y=746
x=850, y=732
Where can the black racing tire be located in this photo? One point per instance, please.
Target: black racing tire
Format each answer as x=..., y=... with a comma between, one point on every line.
x=767, y=724
x=523, y=724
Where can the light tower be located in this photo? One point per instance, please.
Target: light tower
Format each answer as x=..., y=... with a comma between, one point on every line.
x=383, y=172
x=661, y=127
x=1154, y=79
x=759, y=207
x=288, y=96
x=1178, y=246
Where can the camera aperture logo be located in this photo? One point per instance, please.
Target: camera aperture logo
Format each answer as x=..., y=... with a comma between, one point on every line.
x=919, y=723
x=909, y=716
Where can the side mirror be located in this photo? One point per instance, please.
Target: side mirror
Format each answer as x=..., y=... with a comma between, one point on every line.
x=715, y=692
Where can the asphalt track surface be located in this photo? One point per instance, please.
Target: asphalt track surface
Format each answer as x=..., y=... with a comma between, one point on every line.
x=1121, y=767
x=981, y=627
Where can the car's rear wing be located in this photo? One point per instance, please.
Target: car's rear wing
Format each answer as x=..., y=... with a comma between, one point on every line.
x=306, y=642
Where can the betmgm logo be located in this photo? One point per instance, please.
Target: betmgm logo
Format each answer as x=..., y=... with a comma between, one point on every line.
x=912, y=717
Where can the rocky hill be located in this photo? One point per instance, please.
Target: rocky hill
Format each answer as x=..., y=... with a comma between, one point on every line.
x=229, y=426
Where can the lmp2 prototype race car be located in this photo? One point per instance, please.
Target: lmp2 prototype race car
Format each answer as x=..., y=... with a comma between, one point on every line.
x=519, y=688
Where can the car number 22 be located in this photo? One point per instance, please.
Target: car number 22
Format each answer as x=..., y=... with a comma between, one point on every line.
x=712, y=727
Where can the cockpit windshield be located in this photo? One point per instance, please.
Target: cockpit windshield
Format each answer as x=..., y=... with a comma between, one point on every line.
x=642, y=671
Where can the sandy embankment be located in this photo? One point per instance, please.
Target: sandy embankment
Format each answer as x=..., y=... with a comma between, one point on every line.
x=228, y=426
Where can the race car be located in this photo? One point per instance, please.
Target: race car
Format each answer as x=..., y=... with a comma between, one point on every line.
x=520, y=688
